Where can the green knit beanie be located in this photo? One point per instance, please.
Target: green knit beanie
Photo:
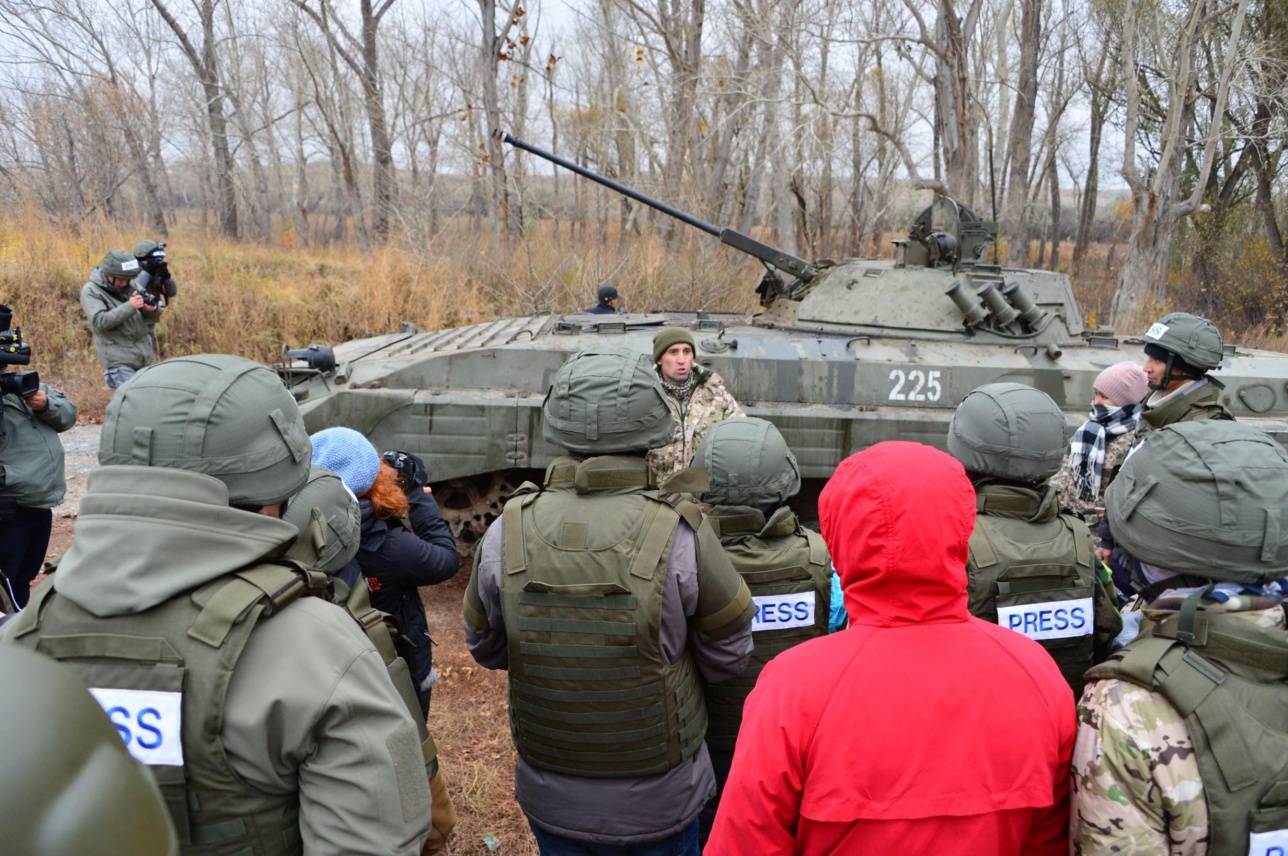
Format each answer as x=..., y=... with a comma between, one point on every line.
x=668, y=336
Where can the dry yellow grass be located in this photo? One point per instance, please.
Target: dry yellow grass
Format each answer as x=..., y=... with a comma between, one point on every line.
x=251, y=299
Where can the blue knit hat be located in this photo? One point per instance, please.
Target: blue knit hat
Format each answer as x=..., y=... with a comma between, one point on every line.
x=349, y=455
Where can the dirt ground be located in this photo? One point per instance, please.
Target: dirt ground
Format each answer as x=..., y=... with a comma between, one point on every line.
x=467, y=716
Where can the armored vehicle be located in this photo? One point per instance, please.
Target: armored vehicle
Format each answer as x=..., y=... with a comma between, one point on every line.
x=840, y=355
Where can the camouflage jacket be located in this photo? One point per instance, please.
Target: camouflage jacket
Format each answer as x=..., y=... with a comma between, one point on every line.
x=707, y=404
x=1136, y=783
x=1065, y=482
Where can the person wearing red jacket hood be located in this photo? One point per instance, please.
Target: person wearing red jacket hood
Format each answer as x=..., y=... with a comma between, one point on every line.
x=920, y=729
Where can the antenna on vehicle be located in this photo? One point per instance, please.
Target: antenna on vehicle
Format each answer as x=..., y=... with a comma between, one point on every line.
x=992, y=187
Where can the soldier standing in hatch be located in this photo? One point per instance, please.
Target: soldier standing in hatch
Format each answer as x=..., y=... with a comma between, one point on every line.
x=1181, y=744
x=265, y=713
x=696, y=397
x=120, y=320
x=785, y=565
x=1030, y=568
x=610, y=604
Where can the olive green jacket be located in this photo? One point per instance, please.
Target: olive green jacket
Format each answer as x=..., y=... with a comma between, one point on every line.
x=123, y=335
x=31, y=455
x=1193, y=402
x=310, y=709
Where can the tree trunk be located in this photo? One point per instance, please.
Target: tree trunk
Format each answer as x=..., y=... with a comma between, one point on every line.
x=1015, y=217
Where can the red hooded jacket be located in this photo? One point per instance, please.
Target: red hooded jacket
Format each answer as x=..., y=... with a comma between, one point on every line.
x=920, y=729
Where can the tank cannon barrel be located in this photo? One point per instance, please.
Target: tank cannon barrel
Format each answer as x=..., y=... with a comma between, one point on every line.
x=743, y=243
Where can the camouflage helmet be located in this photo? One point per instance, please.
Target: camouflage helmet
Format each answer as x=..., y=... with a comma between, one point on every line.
x=67, y=783
x=1195, y=340
x=604, y=401
x=1205, y=498
x=120, y=263
x=748, y=463
x=217, y=414
x=1008, y=431
x=337, y=509
x=142, y=248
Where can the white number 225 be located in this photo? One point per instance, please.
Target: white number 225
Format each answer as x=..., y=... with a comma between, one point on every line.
x=922, y=386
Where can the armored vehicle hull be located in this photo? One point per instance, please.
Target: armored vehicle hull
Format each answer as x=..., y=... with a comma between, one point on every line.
x=468, y=399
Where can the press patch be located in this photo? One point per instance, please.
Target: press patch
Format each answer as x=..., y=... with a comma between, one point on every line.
x=1156, y=331
x=150, y=722
x=132, y=264
x=1054, y=619
x=783, y=611
x=1273, y=843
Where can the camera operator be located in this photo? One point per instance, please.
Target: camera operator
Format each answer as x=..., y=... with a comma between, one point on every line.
x=32, y=415
x=121, y=317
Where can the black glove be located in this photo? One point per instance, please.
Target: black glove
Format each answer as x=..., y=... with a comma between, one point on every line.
x=412, y=474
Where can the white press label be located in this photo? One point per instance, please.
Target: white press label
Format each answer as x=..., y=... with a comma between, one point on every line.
x=783, y=611
x=148, y=721
x=1156, y=331
x=1273, y=843
x=130, y=264
x=1055, y=619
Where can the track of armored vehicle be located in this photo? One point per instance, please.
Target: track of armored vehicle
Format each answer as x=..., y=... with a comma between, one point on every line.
x=840, y=355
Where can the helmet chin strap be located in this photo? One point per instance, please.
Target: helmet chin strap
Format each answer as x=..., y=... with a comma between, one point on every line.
x=1167, y=374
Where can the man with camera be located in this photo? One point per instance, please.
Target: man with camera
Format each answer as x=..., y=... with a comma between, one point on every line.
x=32, y=415
x=122, y=316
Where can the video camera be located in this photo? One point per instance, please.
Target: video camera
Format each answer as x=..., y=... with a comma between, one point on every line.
x=15, y=352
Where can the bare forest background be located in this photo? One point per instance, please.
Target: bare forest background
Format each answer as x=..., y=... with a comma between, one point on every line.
x=327, y=169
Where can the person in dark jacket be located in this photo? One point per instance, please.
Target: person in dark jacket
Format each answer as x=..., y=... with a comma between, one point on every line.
x=405, y=543
x=607, y=302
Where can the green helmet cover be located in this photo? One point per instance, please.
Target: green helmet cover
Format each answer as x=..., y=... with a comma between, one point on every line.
x=1192, y=338
x=326, y=494
x=67, y=783
x=217, y=414
x=605, y=401
x=142, y=248
x=748, y=463
x=120, y=263
x=1008, y=431
x=1206, y=498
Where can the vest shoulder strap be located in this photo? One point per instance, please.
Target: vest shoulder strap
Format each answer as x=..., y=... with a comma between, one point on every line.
x=29, y=619
x=817, y=547
x=1086, y=557
x=275, y=584
x=659, y=525
x=683, y=505
x=513, y=555
x=982, y=552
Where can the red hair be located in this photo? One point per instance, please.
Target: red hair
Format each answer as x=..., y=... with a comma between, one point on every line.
x=386, y=494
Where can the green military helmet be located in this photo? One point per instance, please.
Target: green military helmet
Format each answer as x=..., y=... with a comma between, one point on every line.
x=748, y=463
x=1206, y=498
x=1009, y=431
x=121, y=264
x=337, y=510
x=1195, y=340
x=217, y=414
x=67, y=783
x=605, y=401
x=142, y=248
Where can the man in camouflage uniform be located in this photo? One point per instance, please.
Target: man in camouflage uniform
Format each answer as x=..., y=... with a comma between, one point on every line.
x=1181, y=737
x=697, y=398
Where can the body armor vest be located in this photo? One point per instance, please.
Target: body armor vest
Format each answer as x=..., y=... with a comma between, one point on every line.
x=1036, y=577
x=584, y=563
x=786, y=568
x=182, y=652
x=1229, y=680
